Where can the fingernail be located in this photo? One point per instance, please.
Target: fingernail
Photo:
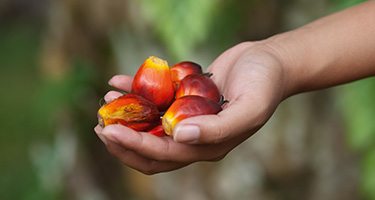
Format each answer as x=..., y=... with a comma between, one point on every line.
x=186, y=134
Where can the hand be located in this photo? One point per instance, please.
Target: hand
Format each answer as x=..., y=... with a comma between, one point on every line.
x=249, y=75
x=254, y=77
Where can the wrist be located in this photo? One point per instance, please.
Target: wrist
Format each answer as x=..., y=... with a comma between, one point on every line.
x=278, y=47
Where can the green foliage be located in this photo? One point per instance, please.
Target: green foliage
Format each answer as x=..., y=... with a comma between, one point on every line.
x=19, y=83
x=54, y=95
x=357, y=103
x=358, y=106
x=341, y=4
x=368, y=173
x=30, y=106
x=180, y=24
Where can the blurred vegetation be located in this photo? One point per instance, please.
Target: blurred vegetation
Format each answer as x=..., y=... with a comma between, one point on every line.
x=48, y=148
x=19, y=75
x=357, y=103
x=181, y=25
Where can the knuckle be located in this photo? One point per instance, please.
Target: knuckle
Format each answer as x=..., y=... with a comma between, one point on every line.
x=220, y=135
x=245, y=44
x=164, y=155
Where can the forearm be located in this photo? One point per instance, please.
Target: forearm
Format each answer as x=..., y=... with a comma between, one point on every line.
x=335, y=49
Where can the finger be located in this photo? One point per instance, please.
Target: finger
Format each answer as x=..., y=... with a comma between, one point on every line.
x=122, y=82
x=157, y=148
x=98, y=130
x=112, y=95
x=140, y=163
x=239, y=117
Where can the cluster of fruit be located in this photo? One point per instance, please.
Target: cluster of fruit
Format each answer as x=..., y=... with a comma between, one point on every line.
x=162, y=96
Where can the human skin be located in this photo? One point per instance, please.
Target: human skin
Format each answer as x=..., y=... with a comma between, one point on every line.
x=255, y=77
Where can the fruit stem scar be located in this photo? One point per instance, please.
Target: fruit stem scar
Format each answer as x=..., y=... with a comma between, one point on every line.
x=208, y=74
x=223, y=100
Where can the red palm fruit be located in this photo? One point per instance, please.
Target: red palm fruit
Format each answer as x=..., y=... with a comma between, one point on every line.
x=180, y=70
x=188, y=106
x=157, y=131
x=130, y=110
x=200, y=85
x=153, y=82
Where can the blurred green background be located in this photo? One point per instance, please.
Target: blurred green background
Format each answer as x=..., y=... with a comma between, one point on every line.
x=57, y=56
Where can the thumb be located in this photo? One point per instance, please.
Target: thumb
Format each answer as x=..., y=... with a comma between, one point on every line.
x=239, y=117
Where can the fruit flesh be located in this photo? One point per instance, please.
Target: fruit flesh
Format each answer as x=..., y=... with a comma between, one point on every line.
x=130, y=110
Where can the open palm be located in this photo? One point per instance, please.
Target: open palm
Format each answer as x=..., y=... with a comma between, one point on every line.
x=249, y=75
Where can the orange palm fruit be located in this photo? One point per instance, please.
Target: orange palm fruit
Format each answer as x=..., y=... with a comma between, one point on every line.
x=157, y=131
x=200, y=85
x=188, y=106
x=153, y=82
x=180, y=70
x=130, y=110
